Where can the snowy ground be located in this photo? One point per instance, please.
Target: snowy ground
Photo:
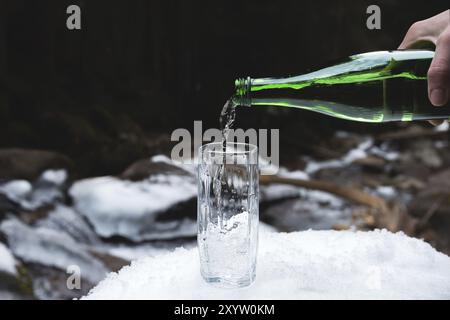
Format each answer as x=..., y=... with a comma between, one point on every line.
x=298, y=265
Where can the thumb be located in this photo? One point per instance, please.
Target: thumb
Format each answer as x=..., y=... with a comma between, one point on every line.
x=439, y=72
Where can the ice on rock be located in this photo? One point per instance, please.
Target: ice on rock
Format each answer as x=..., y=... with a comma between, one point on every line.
x=299, y=265
x=362, y=150
x=16, y=190
x=7, y=261
x=387, y=192
x=275, y=192
x=442, y=127
x=30, y=196
x=130, y=209
x=357, y=153
x=56, y=177
x=49, y=247
x=65, y=219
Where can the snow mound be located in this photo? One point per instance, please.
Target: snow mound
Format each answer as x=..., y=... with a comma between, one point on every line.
x=299, y=265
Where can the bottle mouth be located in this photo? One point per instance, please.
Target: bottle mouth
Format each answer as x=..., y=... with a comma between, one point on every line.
x=242, y=91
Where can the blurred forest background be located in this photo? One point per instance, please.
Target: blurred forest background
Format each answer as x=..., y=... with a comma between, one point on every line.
x=98, y=95
x=86, y=118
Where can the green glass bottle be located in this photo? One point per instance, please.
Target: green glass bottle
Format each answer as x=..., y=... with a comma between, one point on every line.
x=377, y=86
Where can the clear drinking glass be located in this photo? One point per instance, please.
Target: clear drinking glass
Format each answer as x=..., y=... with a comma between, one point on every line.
x=228, y=213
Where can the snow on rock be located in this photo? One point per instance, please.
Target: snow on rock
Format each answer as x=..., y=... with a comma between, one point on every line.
x=442, y=127
x=275, y=192
x=49, y=247
x=16, y=190
x=300, y=265
x=308, y=212
x=56, y=177
x=386, y=192
x=30, y=196
x=7, y=261
x=65, y=219
x=130, y=209
x=362, y=150
x=354, y=154
x=189, y=166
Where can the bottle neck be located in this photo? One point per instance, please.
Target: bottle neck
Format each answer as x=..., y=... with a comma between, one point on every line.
x=242, y=95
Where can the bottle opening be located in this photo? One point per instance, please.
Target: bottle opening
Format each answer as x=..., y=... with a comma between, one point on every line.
x=242, y=91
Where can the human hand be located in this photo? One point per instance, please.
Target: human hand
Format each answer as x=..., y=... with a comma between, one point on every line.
x=437, y=31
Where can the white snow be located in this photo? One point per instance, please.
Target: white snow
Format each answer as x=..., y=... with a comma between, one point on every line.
x=56, y=177
x=7, y=261
x=362, y=150
x=66, y=220
x=32, y=196
x=136, y=252
x=384, y=153
x=299, y=265
x=127, y=208
x=354, y=154
x=442, y=127
x=50, y=247
x=274, y=192
x=387, y=192
x=16, y=189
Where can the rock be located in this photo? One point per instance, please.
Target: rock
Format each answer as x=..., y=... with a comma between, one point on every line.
x=51, y=248
x=11, y=288
x=28, y=164
x=138, y=210
x=425, y=152
x=7, y=261
x=12, y=282
x=36, y=215
x=161, y=205
x=312, y=210
x=435, y=194
x=66, y=220
x=145, y=168
x=7, y=206
x=47, y=190
x=371, y=163
x=50, y=283
x=112, y=262
x=432, y=206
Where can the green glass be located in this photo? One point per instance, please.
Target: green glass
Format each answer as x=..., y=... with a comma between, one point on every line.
x=377, y=86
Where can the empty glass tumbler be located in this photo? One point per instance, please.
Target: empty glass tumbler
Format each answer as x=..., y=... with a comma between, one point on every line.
x=228, y=213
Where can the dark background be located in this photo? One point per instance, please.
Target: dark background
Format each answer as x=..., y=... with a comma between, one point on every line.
x=113, y=92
